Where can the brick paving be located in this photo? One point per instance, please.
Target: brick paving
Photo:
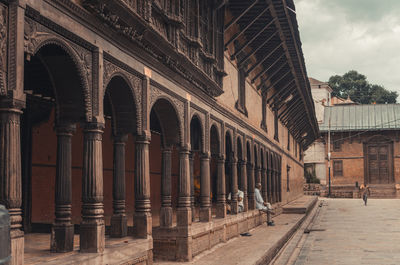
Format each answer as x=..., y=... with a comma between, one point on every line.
x=347, y=232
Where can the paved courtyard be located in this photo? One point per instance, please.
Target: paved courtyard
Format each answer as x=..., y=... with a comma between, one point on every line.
x=347, y=232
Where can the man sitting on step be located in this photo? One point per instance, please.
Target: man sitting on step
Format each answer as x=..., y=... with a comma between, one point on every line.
x=263, y=206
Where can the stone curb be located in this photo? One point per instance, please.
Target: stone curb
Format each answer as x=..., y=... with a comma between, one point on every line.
x=274, y=250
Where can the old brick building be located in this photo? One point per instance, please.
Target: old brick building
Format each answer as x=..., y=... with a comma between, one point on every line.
x=114, y=113
x=365, y=148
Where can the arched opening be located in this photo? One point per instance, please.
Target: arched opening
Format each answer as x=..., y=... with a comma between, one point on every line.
x=164, y=163
x=241, y=175
x=215, y=153
x=229, y=156
x=250, y=176
x=52, y=149
x=195, y=170
x=118, y=157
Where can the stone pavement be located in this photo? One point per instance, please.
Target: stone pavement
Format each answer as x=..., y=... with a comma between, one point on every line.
x=260, y=248
x=347, y=232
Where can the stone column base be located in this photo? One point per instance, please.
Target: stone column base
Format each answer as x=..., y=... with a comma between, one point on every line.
x=251, y=203
x=62, y=238
x=234, y=207
x=143, y=224
x=17, y=250
x=92, y=238
x=221, y=210
x=184, y=249
x=184, y=216
x=205, y=214
x=166, y=217
x=119, y=226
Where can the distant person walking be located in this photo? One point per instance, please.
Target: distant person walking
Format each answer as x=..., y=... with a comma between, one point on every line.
x=365, y=193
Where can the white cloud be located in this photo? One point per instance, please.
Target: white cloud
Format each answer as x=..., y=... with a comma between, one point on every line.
x=342, y=35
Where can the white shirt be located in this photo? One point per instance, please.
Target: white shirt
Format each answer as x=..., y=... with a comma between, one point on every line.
x=239, y=194
x=259, y=200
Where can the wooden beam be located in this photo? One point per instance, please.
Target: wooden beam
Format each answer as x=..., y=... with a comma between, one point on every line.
x=237, y=35
x=289, y=113
x=280, y=79
x=278, y=92
x=267, y=69
x=263, y=60
x=284, y=95
x=296, y=103
x=253, y=38
x=242, y=13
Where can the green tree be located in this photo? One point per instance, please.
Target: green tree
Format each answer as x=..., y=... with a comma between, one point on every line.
x=357, y=87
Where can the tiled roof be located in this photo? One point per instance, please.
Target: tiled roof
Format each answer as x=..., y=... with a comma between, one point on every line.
x=361, y=117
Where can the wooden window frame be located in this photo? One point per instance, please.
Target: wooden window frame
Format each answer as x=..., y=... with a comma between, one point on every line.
x=337, y=173
x=337, y=146
x=276, y=126
x=241, y=102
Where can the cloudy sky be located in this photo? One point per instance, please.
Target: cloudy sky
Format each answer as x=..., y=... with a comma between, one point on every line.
x=342, y=35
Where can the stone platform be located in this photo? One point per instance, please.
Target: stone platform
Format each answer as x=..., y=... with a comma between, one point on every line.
x=126, y=250
x=301, y=205
x=263, y=244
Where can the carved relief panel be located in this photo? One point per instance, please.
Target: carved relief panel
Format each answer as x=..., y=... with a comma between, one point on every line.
x=3, y=48
x=36, y=36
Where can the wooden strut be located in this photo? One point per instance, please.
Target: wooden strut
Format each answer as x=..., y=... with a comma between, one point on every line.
x=233, y=21
x=288, y=114
x=277, y=81
x=237, y=35
x=278, y=104
x=293, y=113
x=295, y=122
x=258, y=48
x=267, y=69
x=263, y=60
x=293, y=105
x=287, y=92
x=252, y=39
x=277, y=92
x=277, y=71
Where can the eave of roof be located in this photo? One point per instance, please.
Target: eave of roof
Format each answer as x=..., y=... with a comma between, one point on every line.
x=361, y=118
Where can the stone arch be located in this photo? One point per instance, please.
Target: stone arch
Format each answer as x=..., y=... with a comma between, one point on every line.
x=119, y=101
x=169, y=121
x=215, y=141
x=239, y=148
x=197, y=133
x=78, y=63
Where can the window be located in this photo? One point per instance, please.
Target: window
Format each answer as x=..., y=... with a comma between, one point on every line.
x=295, y=149
x=264, y=111
x=276, y=133
x=288, y=140
x=241, y=102
x=288, y=178
x=337, y=168
x=337, y=146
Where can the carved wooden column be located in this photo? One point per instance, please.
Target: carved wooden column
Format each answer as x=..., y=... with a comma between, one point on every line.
x=243, y=182
x=251, y=186
x=142, y=218
x=221, y=193
x=258, y=174
x=10, y=177
x=184, y=213
x=234, y=186
x=92, y=230
x=166, y=203
x=264, y=184
x=62, y=234
x=205, y=201
x=119, y=227
x=191, y=172
x=269, y=183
